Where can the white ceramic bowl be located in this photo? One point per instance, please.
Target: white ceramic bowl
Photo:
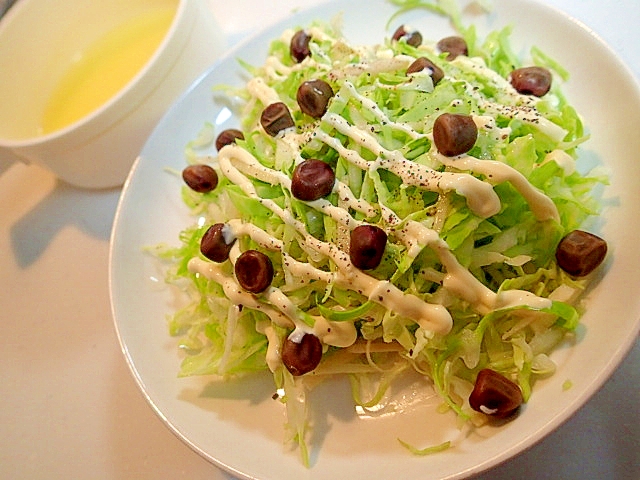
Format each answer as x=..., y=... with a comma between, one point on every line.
x=37, y=40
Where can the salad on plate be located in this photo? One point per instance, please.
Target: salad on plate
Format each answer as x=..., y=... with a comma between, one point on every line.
x=410, y=206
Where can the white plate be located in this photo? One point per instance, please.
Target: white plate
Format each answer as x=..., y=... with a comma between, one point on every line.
x=237, y=425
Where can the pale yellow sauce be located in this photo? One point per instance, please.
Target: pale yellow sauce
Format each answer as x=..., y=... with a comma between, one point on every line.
x=105, y=67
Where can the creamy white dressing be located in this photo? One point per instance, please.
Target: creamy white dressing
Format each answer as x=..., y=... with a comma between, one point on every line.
x=238, y=228
x=478, y=65
x=349, y=200
x=497, y=172
x=522, y=107
x=305, y=271
x=258, y=88
x=374, y=67
x=227, y=233
x=487, y=410
x=528, y=115
x=276, y=305
x=373, y=107
x=480, y=196
x=273, y=356
x=234, y=292
x=515, y=298
x=276, y=70
x=338, y=334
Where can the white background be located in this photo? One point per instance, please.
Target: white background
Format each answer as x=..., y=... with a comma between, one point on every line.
x=69, y=407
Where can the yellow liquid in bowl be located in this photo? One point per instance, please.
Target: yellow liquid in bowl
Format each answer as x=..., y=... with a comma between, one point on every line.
x=105, y=68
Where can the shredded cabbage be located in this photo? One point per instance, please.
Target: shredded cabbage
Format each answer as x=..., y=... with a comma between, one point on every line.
x=378, y=115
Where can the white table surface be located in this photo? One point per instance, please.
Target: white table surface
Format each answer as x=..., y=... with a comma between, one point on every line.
x=69, y=407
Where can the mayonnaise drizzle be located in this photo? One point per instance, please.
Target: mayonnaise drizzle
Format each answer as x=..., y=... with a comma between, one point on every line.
x=481, y=198
x=497, y=172
x=259, y=89
x=234, y=292
x=477, y=193
x=523, y=107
